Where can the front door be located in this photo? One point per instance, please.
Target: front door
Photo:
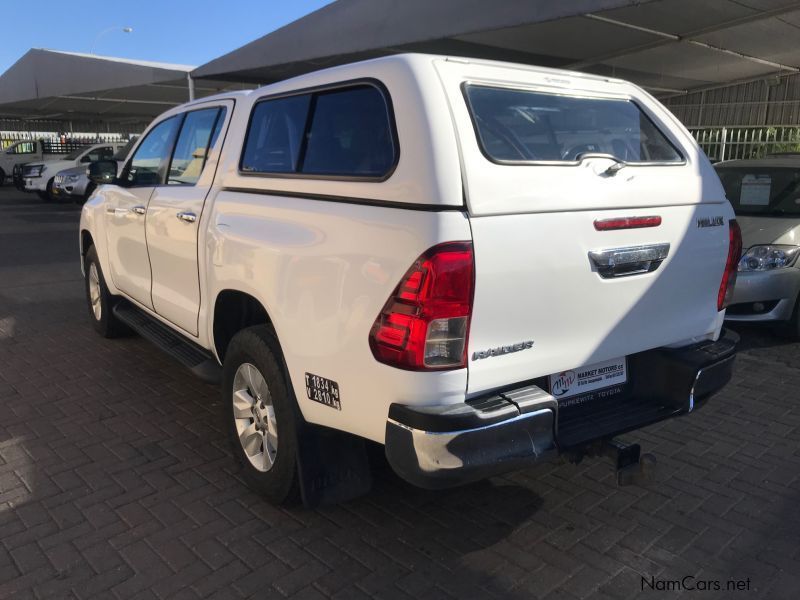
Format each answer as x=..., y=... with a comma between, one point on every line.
x=126, y=209
x=174, y=216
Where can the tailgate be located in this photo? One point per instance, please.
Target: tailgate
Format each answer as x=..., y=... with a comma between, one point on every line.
x=553, y=290
x=535, y=281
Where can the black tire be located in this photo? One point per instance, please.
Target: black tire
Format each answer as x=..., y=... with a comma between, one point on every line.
x=89, y=189
x=259, y=347
x=2, y=177
x=49, y=195
x=106, y=324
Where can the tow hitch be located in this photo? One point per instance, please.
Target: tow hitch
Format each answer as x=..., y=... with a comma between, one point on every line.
x=632, y=467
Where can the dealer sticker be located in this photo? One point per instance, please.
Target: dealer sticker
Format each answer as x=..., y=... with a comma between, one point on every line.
x=588, y=378
x=324, y=391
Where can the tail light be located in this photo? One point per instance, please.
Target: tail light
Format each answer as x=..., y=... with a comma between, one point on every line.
x=731, y=266
x=425, y=322
x=627, y=223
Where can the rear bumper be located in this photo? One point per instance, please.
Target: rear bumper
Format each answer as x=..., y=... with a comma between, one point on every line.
x=443, y=446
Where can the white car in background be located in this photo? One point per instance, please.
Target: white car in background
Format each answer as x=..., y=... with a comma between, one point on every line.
x=39, y=177
x=25, y=151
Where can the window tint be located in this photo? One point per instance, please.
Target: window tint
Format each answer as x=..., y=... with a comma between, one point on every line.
x=771, y=191
x=24, y=148
x=275, y=135
x=103, y=153
x=122, y=153
x=349, y=133
x=152, y=155
x=191, y=150
x=517, y=125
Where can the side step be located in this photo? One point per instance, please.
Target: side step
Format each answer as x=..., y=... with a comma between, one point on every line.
x=198, y=360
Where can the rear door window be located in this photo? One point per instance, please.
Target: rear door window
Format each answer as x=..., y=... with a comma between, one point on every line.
x=521, y=126
x=343, y=132
x=194, y=141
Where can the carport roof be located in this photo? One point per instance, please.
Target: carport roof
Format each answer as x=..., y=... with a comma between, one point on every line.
x=50, y=84
x=669, y=46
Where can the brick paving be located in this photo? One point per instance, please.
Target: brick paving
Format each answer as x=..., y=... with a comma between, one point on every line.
x=116, y=481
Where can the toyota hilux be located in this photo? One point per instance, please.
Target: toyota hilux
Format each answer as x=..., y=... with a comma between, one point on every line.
x=477, y=265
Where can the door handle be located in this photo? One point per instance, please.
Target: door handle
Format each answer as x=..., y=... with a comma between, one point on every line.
x=633, y=260
x=122, y=212
x=187, y=217
x=118, y=212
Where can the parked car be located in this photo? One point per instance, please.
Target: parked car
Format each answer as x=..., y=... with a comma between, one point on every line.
x=765, y=194
x=478, y=265
x=25, y=151
x=74, y=184
x=39, y=176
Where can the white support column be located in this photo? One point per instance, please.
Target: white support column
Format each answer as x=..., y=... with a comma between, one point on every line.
x=190, y=83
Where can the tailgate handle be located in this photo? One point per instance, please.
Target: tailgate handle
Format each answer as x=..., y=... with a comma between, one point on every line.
x=633, y=260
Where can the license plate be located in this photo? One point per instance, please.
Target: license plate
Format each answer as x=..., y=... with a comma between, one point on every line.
x=589, y=378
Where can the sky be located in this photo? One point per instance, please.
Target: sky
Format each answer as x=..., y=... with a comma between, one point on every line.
x=175, y=31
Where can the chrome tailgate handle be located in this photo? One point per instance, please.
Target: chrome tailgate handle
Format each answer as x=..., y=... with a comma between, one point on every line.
x=633, y=260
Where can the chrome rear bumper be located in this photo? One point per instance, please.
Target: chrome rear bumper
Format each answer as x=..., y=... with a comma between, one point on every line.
x=447, y=445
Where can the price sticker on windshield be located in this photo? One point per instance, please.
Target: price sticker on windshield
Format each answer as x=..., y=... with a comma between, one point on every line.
x=756, y=190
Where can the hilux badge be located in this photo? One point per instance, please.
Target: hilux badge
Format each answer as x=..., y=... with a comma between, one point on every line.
x=499, y=351
x=710, y=222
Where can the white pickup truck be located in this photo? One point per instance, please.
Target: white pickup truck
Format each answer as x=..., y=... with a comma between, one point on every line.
x=25, y=151
x=477, y=265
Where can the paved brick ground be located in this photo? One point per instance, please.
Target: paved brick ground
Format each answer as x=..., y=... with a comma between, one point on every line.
x=116, y=482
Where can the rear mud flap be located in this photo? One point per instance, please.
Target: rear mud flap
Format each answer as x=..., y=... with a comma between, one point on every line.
x=332, y=466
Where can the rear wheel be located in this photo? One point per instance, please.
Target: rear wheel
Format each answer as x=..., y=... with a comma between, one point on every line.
x=99, y=300
x=261, y=413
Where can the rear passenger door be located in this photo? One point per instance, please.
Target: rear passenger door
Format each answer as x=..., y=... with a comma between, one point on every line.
x=175, y=211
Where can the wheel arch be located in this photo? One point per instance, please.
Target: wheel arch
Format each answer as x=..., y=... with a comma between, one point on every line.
x=235, y=310
x=86, y=241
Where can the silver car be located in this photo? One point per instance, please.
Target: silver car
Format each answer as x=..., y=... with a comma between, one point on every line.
x=765, y=194
x=74, y=183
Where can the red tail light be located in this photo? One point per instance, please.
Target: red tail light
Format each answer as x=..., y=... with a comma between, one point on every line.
x=731, y=266
x=425, y=322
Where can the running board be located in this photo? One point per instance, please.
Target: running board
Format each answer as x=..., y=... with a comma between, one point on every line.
x=199, y=361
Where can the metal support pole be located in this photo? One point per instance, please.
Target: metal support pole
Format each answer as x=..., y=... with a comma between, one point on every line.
x=190, y=82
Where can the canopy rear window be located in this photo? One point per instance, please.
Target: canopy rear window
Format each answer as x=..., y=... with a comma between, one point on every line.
x=521, y=126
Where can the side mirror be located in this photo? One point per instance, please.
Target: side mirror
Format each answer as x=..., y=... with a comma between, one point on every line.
x=102, y=171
